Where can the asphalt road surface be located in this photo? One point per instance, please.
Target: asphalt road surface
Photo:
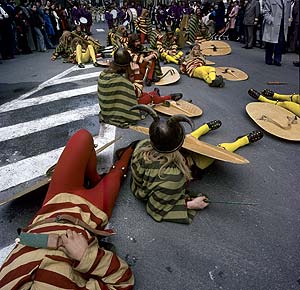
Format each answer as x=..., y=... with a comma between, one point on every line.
x=234, y=247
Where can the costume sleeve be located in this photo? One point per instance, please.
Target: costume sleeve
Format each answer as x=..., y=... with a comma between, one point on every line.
x=59, y=50
x=180, y=213
x=105, y=269
x=159, y=45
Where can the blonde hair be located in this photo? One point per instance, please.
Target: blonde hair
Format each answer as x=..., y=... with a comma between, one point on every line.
x=166, y=159
x=65, y=36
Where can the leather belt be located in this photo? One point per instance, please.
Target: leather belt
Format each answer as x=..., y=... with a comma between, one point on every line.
x=75, y=221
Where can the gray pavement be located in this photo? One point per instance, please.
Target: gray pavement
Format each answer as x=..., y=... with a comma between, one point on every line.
x=229, y=247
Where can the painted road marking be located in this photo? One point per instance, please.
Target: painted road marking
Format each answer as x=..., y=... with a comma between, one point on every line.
x=36, y=166
x=20, y=104
x=22, y=129
x=15, y=174
x=5, y=252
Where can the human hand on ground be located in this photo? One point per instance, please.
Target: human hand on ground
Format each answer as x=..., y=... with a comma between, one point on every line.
x=197, y=203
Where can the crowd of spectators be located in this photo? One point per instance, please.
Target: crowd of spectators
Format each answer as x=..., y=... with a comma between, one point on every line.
x=37, y=26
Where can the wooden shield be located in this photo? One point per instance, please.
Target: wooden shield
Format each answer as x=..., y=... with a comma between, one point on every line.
x=209, y=62
x=231, y=73
x=180, y=107
x=182, y=36
x=170, y=76
x=215, y=47
x=275, y=120
x=104, y=63
x=193, y=144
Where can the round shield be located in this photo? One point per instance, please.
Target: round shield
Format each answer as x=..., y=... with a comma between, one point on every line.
x=193, y=144
x=170, y=76
x=231, y=73
x=83, y=20
x=132, y=14
x=215, y=47
x=114, y=13
x=209, y=62
x=275, y=120
x=180, y=107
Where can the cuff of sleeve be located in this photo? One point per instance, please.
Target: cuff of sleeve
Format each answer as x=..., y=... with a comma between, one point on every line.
x=88, y=258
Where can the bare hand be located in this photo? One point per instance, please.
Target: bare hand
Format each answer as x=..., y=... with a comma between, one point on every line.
x=53, y=57
x=73, y=245
x=197, y=203
x=149, y=57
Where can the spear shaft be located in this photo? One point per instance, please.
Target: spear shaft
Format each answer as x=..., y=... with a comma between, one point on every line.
x=229, y=202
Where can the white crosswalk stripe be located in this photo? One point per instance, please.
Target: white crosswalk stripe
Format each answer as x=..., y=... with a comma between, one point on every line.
x=14, y=173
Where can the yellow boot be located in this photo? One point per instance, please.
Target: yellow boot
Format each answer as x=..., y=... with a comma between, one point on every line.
x=291, y=106
x=292, y=98
x=205, y=128
x=203, y=162
x=169, y=58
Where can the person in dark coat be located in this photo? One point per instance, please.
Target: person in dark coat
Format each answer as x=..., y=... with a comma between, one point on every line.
x=252, y=11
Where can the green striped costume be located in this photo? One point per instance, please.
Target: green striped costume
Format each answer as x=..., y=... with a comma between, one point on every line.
x=165, y=196
x=154, y=34
x=116, y=96
x=197, y=30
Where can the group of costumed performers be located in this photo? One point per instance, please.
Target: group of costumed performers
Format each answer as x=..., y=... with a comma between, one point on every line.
x=120, y=87
x=61, y=247
x=77, y=47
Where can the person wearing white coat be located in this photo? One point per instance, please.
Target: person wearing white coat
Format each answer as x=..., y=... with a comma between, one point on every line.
x=276, y=15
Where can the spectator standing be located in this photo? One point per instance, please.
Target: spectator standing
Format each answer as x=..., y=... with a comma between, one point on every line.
x=252, y=10
x=294, y=40
x=37, y=25
x=22, y=24
x=239, y=22
x=276, y=18
x=232, y=20
x=220, y=16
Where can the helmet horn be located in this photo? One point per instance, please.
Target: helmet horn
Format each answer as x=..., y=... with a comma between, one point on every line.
x=147, y=109
x=181, y=118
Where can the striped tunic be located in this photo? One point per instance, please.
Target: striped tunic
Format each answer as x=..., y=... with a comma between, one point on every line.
x=165, y=45
x=116, y=96
x=143, y=24
x=63, y=50
x=35, y=268
x=164, y=196
x=189, y=65
x=197, y=30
